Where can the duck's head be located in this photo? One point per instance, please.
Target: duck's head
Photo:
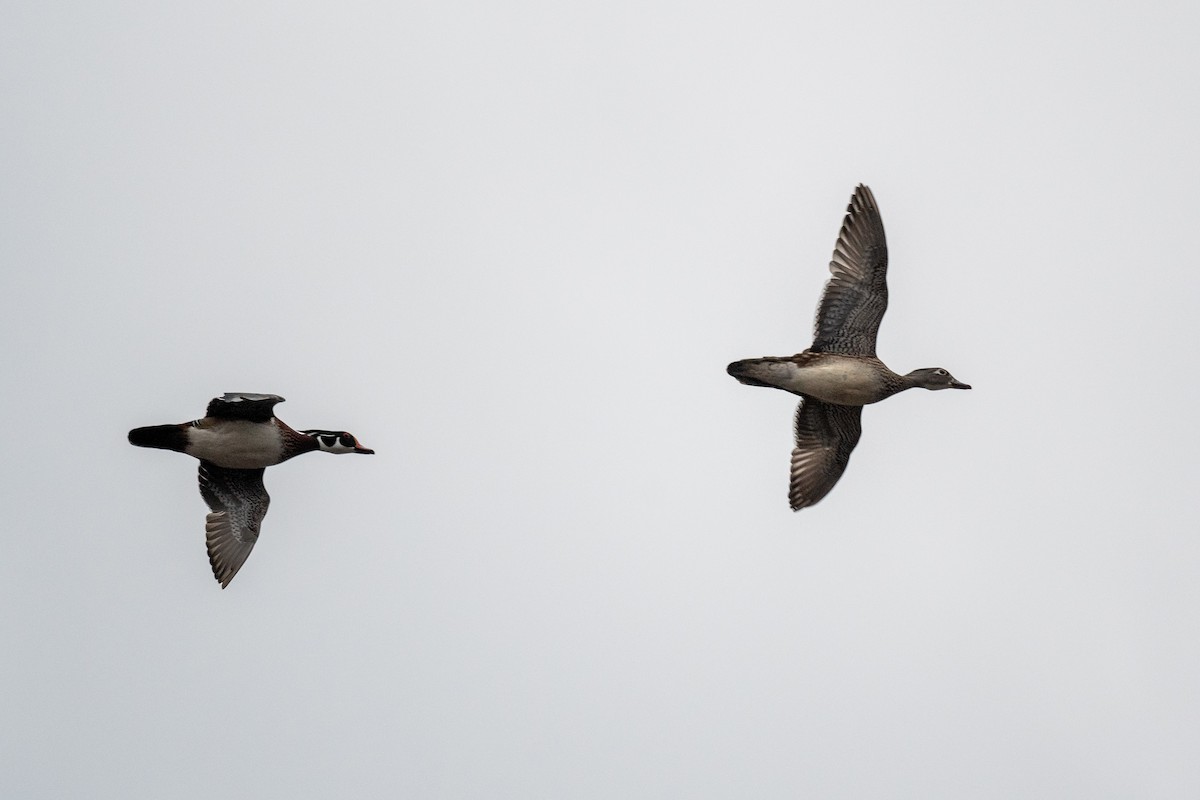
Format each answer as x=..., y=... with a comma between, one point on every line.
x=935, y=378
x=338, y=442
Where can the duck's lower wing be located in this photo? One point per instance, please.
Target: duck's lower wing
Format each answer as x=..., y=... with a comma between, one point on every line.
x=239, y=501
x=825, y=437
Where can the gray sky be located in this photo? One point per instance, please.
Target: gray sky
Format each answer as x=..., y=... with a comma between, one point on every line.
x=512, y=247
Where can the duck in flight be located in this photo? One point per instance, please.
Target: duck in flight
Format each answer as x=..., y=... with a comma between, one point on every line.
x=840, y=373
x=238, y=438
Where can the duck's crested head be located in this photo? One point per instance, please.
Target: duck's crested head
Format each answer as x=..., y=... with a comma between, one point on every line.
x=935, y=378
x=338, y=442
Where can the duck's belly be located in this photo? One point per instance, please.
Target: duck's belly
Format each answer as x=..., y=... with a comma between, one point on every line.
x=848, y=383
x=237, y=444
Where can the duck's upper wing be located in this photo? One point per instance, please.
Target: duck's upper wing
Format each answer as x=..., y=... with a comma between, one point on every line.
x=239, y=501
x=855, y=298
x=825, y=436
x=243, y=405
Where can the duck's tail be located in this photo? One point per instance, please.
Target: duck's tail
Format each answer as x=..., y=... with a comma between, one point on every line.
x=164, y=437
x=756, y=371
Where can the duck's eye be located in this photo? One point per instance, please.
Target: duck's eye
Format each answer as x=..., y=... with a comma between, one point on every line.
x=347, y=440
x=941, y=372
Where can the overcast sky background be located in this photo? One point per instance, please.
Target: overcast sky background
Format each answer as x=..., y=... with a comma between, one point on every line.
x=512, y=246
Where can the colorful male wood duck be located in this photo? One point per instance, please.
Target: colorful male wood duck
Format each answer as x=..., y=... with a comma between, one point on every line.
x=238, y=438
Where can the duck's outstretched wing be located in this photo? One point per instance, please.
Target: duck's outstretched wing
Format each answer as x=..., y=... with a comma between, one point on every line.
x=239, y=501
x=825, y=437
x=243, y=405
x=855, y=298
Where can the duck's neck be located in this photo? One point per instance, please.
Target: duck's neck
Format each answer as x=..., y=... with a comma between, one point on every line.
x=899, y=383
x=295, y=443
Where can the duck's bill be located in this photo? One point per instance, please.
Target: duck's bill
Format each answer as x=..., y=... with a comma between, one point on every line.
x=959, y=385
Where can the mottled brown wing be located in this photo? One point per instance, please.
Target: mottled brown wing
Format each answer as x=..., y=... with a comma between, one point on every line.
x=239, y=501
x=855, y=298
x=825, y=437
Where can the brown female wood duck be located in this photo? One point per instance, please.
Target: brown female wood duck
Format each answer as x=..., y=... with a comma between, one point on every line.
x=840, y=373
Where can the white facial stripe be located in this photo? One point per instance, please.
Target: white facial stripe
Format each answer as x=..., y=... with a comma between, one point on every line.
x=333, y=444
x=331, y=441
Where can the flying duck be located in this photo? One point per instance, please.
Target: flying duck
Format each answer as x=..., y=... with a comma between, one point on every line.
x=237, y=439
x=840, y=373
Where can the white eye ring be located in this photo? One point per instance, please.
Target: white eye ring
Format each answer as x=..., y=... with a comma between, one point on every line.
x=942, y=372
